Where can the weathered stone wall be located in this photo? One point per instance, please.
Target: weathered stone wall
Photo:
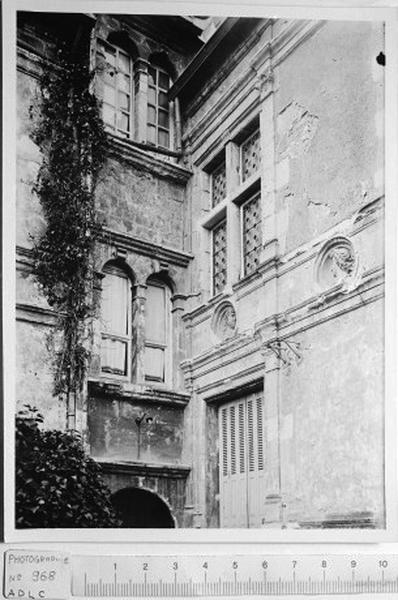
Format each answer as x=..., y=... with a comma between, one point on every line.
x=114, y=433
x=329, y=129
x=170, y=490
x=323, y=185
x=138, y=202
x=332, y=420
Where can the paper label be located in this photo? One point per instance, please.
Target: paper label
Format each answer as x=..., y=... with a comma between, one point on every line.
x=36, y=575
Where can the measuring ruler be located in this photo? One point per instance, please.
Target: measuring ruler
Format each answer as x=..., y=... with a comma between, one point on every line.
x=45, y=575
x=217, y=576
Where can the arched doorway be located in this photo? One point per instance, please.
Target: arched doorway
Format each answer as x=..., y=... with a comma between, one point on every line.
x=140, y=508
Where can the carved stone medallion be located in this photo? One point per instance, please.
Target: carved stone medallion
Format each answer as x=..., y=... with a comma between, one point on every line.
x=224, y=321
x=337, y=263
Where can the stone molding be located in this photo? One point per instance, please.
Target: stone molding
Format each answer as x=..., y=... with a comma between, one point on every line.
x=36, y=314
x=294, y=34
x=243, y=389
x=240, y=380
x=288, y=39
x=224, y=320
x=115, y=390
x=277, y=330
x=130, y=152
x=163, y=470
x=337, y=262
x=144, y=248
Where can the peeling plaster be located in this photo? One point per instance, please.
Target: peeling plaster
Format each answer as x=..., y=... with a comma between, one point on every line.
x=297, y=127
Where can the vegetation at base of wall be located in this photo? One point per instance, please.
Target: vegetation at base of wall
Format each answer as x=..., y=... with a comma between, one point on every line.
x=57, y=483
x=70, y=134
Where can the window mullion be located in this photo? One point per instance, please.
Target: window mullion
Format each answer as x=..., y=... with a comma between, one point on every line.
x=233, y=220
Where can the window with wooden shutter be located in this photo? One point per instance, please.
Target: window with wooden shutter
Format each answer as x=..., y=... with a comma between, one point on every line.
x=242, y=473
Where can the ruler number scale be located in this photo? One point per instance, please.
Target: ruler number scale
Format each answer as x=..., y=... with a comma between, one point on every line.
x=217, y=576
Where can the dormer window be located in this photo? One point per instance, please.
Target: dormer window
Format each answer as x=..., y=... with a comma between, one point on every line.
x=158, y=116
x=117, y=88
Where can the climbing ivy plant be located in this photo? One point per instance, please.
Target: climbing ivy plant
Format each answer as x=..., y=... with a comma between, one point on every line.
x=70, y=134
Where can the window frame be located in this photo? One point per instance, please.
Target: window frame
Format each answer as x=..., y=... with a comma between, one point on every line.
x=254, y=196
x=243, y=180
x=167, y=345
x=213, y=172
x=116, y=271
x=100, y=49
x=158, y=69
x=222, y=221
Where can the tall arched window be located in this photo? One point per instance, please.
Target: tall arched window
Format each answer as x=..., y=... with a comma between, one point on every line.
x=157, y=331
x=116, y=322
x=158, y=115
x=117, y=87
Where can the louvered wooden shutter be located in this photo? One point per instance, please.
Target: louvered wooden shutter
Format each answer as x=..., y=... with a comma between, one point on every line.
x=242, y=473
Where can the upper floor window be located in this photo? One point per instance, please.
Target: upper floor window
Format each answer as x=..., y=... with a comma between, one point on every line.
x=157, y=331
x=250, y=155
x=218, y=184
x=158, y=115
x=251, y=234
x=219, y=252
x=233, y=219
x=115, y=322
x=117, y=88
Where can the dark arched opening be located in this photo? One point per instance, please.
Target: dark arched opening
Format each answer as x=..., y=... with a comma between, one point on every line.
x=140, y=508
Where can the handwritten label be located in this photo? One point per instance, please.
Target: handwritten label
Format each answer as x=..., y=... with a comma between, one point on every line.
x=36, y=575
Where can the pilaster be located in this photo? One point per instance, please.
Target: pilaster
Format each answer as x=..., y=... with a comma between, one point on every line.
x=140, y=99
x=138, y=333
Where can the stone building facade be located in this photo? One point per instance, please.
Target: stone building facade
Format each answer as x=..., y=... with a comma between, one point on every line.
x=238, y=355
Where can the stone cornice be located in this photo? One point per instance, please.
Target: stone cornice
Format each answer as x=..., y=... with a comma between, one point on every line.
x=311, y=313
x=145, y=248
x=294, y=34
x=133, y=154
x=35, y=314
x=202, y=56
x=165, y=471
x=238, y=391
x=116, y=390
x=288, y=39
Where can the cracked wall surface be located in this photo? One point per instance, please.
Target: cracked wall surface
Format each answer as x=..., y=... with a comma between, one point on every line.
x=328, y=101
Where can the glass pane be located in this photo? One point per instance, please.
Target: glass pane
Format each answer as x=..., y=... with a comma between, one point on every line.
x=108, y=114
x=164, y=118
x=109, y=75
x=123, y=82
x=163, y=138
x=163, y=80
x=124, y=62
x=124, y=101
x=151, y=96
x=154, y=363
x=151, y=115
x=113, y=356
x=123, y=121
x=109, y=95
x=151, y=134
x=162, y=100
x=109, y=55
x=151, y=76
x=115, y=299
x=155, y=321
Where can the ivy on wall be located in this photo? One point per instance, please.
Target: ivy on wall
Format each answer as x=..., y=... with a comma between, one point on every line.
x=70, y=134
